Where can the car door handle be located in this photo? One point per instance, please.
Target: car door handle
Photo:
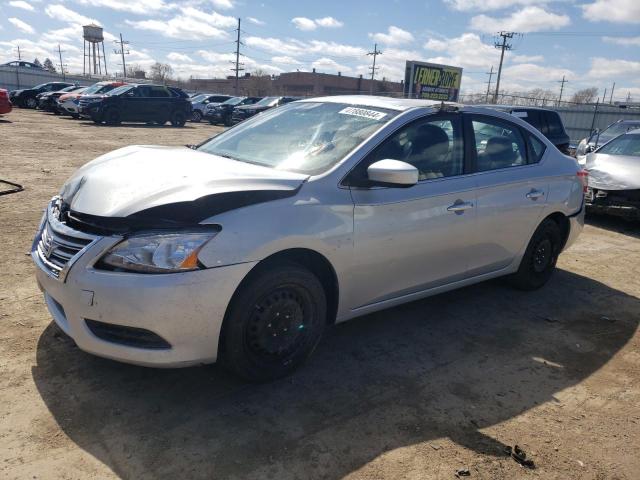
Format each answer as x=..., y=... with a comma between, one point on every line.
x=534, y=194
x=459, y=206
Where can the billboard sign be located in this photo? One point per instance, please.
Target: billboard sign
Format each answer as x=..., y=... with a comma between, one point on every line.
x=430, y=81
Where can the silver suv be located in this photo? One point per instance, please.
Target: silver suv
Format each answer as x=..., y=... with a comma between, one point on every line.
x=246, y=247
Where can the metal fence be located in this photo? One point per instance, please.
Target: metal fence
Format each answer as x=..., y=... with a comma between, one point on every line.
x=13, y=78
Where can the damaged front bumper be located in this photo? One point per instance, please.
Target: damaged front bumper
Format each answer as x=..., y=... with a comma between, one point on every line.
x=623, y=203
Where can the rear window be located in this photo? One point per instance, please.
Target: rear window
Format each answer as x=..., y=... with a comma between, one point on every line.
x=536, y=148
x=554, y=123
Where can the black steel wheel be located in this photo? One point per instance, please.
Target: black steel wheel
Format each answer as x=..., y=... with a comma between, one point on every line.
x=274, y=323
x=540, y=257
x=31, y=102
x=196, y=116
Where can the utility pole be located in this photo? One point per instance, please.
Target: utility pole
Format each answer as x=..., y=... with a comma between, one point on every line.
x=19, y=56
x=561, y=82
x=122, y=52
x=373, y=68
x=502, y=46
x=628, y=97
x=491, y=74
x=237, y=67
x=604, y=95
x=61, y=64
x=612, y=89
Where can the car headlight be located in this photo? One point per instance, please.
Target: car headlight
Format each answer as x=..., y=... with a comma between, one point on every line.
x=158, y=252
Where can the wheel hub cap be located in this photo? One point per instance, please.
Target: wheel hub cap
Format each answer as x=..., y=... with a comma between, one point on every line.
x=542, y=255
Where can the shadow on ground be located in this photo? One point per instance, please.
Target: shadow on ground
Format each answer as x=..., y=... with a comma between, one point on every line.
x=625, y=226
x=442, y=367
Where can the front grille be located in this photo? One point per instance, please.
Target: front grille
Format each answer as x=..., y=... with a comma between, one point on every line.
x=58, y=245
x=128, y=336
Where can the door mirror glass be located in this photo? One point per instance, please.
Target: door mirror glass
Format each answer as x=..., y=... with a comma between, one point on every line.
x=392, y=173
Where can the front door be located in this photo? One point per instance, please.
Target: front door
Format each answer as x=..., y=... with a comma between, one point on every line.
x=411, y=239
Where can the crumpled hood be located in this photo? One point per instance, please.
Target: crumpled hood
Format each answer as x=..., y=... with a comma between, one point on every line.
x=175, y=183
x=613, y=172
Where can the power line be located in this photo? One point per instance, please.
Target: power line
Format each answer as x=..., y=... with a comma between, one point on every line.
x=373, y=68
x=503, y=46
x=237, y=68
x=122, y=52
x=561, y=82
x=491, y=74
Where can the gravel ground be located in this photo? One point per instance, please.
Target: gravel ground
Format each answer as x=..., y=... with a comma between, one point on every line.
x=413, y=392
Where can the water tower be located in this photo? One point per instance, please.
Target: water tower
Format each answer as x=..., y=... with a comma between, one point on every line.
x=93, y=40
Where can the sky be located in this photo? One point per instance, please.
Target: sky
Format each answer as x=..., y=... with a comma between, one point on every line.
x=588, y=42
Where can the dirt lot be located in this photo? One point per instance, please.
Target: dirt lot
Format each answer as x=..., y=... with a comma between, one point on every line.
x=413, y=392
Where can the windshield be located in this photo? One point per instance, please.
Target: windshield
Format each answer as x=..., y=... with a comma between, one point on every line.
x=623, y=145
x=615, y=130
x=69, y=89
x=233, y=101
x=119, y=90
x=306, y=137
x=199, y=98
x=93, y=88
x=267, y=102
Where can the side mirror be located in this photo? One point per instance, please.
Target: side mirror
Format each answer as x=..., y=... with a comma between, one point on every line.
x=392, y=173
x=589, y=148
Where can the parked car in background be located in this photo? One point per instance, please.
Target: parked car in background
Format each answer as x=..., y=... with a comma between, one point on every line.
x=600, y=137
x=138, y=103
x=245, y=247
x=201, y=102
x=22, y=64
x=27, y=97
x=614, y=176
x=222, y=112
x=68, y=103
x=545, y=120
x=47, y=101
x=5, y=103
x=246, y=111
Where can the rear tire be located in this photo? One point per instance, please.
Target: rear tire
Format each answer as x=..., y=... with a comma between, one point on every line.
x=540, y=257
x=112, y=117
x=274, y=323
x=178, y=119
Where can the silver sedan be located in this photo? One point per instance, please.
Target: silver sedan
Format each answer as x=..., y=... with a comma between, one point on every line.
x=245, y=248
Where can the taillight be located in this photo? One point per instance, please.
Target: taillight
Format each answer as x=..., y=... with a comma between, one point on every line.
x=583, y=175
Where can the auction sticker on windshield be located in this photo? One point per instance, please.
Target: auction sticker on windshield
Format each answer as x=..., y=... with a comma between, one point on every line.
x=363, y=112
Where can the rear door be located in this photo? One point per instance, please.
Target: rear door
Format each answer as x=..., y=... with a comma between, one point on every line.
x=511, y=190
x=160, y=103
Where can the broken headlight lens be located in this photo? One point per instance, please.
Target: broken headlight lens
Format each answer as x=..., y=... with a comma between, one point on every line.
x=158, y=252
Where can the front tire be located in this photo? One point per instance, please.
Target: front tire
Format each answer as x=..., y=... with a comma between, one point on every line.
x=197, y=116
x=274, y=323
x=112, y=117
x=31, y=102
x=178, y=119
x=540, y=257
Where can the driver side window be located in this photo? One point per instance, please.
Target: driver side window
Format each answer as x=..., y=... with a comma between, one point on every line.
x=433, y=145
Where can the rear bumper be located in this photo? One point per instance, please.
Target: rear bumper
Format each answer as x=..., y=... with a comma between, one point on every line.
x=5, y=107
x=576, y=224
x=184, y=309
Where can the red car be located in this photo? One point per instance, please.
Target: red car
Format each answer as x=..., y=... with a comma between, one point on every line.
x=5, y=103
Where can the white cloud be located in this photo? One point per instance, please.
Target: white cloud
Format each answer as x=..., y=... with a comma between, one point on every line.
x=329, y=22
x=284, y=60
x=327, y=65
x=611, y=68
x=527, y=59
x=22, y=5
x=293, y=48
x=190, y=24
x=486, y=5
x=20, y=25
x=64, y=14
x=619, y=11
x=255, y=21
x=222, y=4
x=138, y=6
x=308, y=24
x=394, y=36
x=303, y=23
x=468, y=51
x=179, y=57
x=529, y=19
x=624, y=41
x=530, y=72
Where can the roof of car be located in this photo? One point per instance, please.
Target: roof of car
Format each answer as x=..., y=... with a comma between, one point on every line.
x=513, y=107
x=400, y=104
